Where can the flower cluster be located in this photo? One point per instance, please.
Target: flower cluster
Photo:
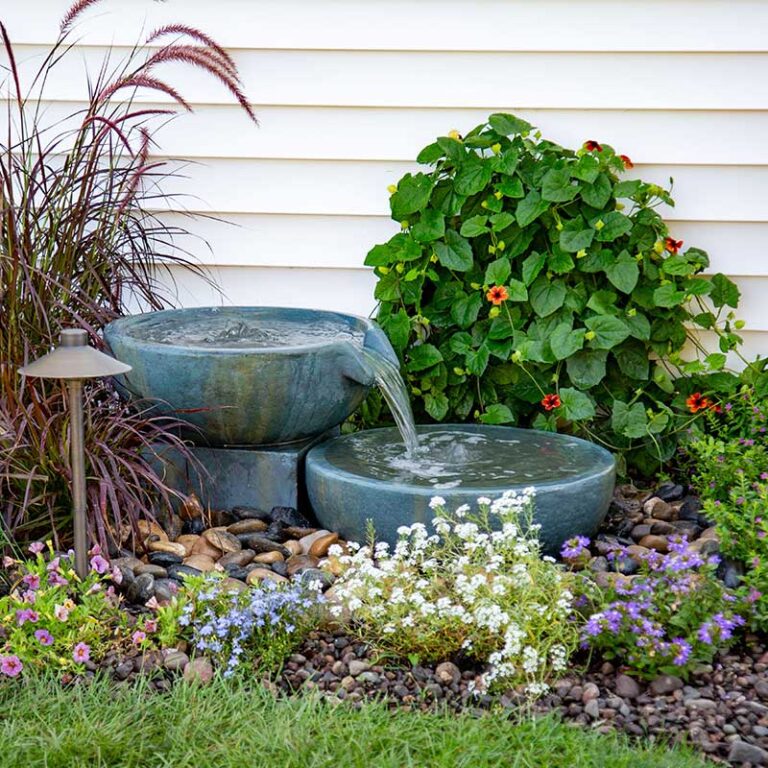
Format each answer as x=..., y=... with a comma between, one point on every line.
x=476, y=586
x=671, y=616
x=261, y=625
x=51, y=617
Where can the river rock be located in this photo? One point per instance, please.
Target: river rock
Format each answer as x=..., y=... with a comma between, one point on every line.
x=222, y=540
x=659, y=509
x=204, y=547
x=663, y=528
x=670, y=492
x=247, y=526
x=150, y=530
x=141, y=589
x=320, y=546
x=191, y=509
x=174, y=660
x=296, y=563
x=165, y=590
x=250, y=513
x=259, y=544
x=187, y=540
x=664, y=684
x=293, y=546
x=200, y=562
x=164, y=559
x=179, y=572
x=167, y=546
x=299, y=533
x=156, y=570
x=640, y=531
x=232, y=585
x=280, y=568
x=659, y=543
x=257, y=575
x=193, y=527
x=309, y=575
x=307, y=541
x=236, y=572
x=627, y=687
x=276, y=532
x=289, y=516
x=241, y=558
x=743, y=752
x=448, y=673
x=267, y=558
x=198, y=670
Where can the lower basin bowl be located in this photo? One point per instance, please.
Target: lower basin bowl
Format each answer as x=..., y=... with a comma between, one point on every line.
x=367, y=477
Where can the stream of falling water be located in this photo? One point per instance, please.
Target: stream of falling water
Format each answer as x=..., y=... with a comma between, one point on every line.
x=392, y=386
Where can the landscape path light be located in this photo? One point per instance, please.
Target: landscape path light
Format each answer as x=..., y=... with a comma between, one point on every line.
x=74, y=360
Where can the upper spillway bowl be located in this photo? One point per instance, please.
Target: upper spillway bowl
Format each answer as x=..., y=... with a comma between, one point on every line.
x=368, y=476
x=242, y=376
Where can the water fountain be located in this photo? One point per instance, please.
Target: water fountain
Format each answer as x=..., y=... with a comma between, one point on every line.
x=263, y=390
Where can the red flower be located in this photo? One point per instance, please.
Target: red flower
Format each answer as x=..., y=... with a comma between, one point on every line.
x=716, y=408
x=550, y=402
x=697, y=402
x=591, y=146
x=497, y=295
x=627, y=162
x=672, y=245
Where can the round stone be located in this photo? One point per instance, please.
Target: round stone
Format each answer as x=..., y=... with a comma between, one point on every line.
x=320, y=546
x=297, y=563
x=204, y=547
x=247, y=526
x=179, y=572
x=167, y=546
x=156, y=570
x=241, y=558
x=267, y=558
x=141, y=589
x=257, y=575
x=201, y=562
x=188, y=541
x=260, y=544
x=164, y=559
x=222, y=540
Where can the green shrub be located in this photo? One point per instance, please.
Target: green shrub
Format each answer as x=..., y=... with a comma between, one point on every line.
x=487, y=595
x=525, y=270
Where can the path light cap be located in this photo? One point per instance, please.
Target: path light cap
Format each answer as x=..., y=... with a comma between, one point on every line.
x=74, y=359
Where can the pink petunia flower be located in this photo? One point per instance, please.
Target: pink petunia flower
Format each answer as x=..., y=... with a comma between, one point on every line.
x=36, y=547
x=99, y=564
x=138, y=637
x=117, y=575
x=32, y=580
x=61, y=612
x=44, y=637
x=11, y=666
x=151, y=625
x=25, y=615
x=55, y=579
x=8, y=562
x=81, y=653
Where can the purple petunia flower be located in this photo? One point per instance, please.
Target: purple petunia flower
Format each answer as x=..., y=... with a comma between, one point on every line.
x=11, y=666
x=99, y=564
x=36, y=547
x=32, y=580
x=25, y=615
x=81, y=653
x=55, y=579
x=44, y=637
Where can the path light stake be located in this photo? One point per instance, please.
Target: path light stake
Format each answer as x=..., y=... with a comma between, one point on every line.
x=74, y=361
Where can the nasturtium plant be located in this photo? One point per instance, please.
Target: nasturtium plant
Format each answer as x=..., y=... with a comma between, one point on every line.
x=524, y=269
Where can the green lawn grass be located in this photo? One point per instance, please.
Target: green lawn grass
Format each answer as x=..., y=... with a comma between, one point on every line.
x=228, y=725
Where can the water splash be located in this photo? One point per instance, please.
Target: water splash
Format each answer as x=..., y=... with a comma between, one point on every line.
x=392, y=386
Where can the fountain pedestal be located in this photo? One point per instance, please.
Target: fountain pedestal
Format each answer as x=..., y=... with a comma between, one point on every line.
x=262, y=477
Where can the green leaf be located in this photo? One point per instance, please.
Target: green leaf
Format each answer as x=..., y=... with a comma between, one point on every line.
x=603, y=302
x=724, y=292
x=507, y=161
x=517, y=290
x=627, y=188
x=501, y=328
x=639, y=327
x=678, y=265
x=453, y=148
x=615, y=225
x=559, y=261
x=547, y=297
x=455, y=252
x=586, y=369
x=501, y=221
x=412, y=195
x=586, y=169
x=422, y=357
x=668, y=296
x=460, y=343
x=474, y=226
x=497, y=414
x=430, y=154
x=473, y=177
x=624, y=273
x=436, y=405
x=698, y=286
x=630, y=421
x=632, y=358
x=557, y=187
x=511, y=187
x=576, y=405
x=429, y=227
x=379, y=256
x=564, y=341
x=716, y=361
x=398, y=329
x=506, y=125
x=498, y=271
x=598, y=193
x=532, y=265
x=610, y=331
x=530, y=208
x=464, y=312
x=573, y=239
x=476, y=360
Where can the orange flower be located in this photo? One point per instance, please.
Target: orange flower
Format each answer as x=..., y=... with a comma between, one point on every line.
x=627, y=162
x=550, y=402
x=672, y=245
x=591, y=145
x=697, y=402
x=716, y=408
x=497, y=295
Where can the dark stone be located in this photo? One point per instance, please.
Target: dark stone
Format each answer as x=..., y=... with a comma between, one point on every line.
x=627, y=687
x=670, y=492
x=164, y=559
x=689, y=509
x=193, y=527
x=280, y=568
x=640, y=532
x=236, y=572
x=688, y=528
x=289, y=516
x=177, y=572
x=626, y=565
x=250, y=513
x=276, y=532
x=315, y=574
x=664, y=684
x=663, y=528
x=598, y=564
x=247, y=526
x=259, y=544
x=743, y=752
x=156, y=570
x=730, y=572
x=141, y=589
x=165, y=589
x=710, y=547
